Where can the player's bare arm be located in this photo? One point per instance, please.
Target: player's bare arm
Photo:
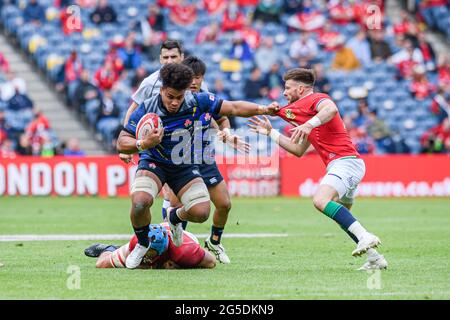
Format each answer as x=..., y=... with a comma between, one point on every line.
x=263, y=126
x=327, y=109
x=128, y=144
x=247, y=109
x=127, y=158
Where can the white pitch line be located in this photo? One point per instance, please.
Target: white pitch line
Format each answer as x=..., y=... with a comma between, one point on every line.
x=79, y=237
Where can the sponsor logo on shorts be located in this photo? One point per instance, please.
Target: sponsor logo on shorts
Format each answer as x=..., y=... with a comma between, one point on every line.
x=196, y=172
x=152, y=165
x=213, y=180
x=331, y=155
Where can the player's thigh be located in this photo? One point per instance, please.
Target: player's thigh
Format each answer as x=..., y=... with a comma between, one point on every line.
x=220, y=196
x=344, y=176
x=324, y=194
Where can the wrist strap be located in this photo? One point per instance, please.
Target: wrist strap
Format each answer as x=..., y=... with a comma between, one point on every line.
x=314, y=121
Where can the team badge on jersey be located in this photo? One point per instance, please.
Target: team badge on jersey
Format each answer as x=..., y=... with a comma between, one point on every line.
x=212, y=98
x=187, y=123
x=207, y=116
x=290, y=114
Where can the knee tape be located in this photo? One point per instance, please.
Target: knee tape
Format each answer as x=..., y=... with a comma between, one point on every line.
x=197, y=193
x=145, y=184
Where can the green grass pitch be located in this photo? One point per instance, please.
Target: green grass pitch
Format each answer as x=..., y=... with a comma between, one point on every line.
x=313, y=262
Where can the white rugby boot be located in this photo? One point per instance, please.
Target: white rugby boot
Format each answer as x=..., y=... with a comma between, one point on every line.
x=218, y=250
x=367, y=241
x=176, y=230
x=374, y=262
x=135, y=257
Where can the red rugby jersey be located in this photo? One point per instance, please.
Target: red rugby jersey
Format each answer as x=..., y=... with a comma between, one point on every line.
x=331, y=140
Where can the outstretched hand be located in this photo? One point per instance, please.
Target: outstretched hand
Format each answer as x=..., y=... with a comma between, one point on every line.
x=235, y=141
x=300, y=133
x=260, y=125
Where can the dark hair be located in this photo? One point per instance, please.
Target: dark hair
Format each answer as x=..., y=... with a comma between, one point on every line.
x=176, y=76
x=305, y=76
x=171, y=44
x=196, y=64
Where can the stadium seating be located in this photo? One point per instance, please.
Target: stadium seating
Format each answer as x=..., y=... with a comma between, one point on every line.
x=49, y=48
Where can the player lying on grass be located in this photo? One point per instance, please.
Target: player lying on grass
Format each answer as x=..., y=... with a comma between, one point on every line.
x=317, y=122
x=162, y=253
x=162, y=156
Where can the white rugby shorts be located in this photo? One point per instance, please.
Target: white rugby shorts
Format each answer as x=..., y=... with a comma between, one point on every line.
x=345, y=174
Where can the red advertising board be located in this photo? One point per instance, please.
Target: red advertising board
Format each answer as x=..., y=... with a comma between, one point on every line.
x=393, y=175
x=388, y=176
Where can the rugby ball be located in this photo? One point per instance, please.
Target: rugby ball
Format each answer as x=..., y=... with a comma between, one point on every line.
x=147, y=124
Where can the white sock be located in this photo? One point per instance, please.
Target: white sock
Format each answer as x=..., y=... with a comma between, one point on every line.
x=357, y=229
x=372, y=253
x=166, y=204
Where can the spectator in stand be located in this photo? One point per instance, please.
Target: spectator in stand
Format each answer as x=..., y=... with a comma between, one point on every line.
x=362, y=116
x=106, y=76
x=208, y=33
x=429, y=57
x=255, y=87
x=113, y=56
x=37, y=132
x=330, y=38
x=444, y=72
x=4, y=65
x=19, y=102
x=292, y=7
x=108, y=117
x=364, y=144
x=3, y=127
x=23, y=148
x=152, y=27
x=70, y=22
x=130, y=56
x=322, y=84
x=420, y=87
x=345, y=59
x=266, y=55
x=141, y=74
x=233, y=18
x=341, y=12
x=406, y=27
x=85, y=91
x=406, y=59
x=433, y=11
x=240, y=49
x=441, y=105
x=251, y=35
x=183, y=13
x=310, y=18
x=268, y=11
x=7, y=150
x=379, y=48
x=220, y=91
x=8, y=89
x=304, y=48
x=73, y=148
x=72, y=72
x=365, y=11
x=379, y=131
x=437, y=139
x=274, y=82
x=103, y=13
x=34, y=13
x=360, y=47
x=215, y=7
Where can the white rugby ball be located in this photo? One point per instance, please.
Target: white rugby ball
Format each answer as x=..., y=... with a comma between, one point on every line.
x=147, y=124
